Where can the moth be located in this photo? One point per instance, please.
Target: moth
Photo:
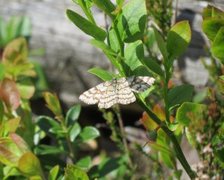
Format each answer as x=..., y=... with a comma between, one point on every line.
x=116, y=91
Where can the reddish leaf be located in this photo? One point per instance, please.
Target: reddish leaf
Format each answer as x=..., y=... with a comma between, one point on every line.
x=9, y=93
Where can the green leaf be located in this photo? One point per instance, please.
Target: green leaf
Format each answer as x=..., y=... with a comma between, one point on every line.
x=153, y=66
x=40, y=80
x=89, y=133
x=106, y=5
x=101, y=73
x=74, y=131
x=1, y=111
x=211, y=11
x=26, y=88
x=47, y=123
x=141, y=71
x=217, y=47
x=190, y=112
x=46, y=149
x=53, y=173
x=211, y=26
x=53, y=103
x=26, y=27
x=105, y=167
x=86, y=5
x=180, y=94
x=178, y=39
x=2, y=71
x=133, y=53
x=12, y=148
x=13, y=28
x=132, y=21
x=3, y=35
x=111, y=54
x=86, y=26
x=74, y=173
x=30, y=165
x=113, y=41
x=72, y=115
x=84, y=163
x=161, y=44
x=15, y=52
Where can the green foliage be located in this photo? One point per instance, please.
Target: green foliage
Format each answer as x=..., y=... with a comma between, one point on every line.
x=178, y=39
x=134, y=47
x=14, y=28
x=74, y=173
x=86, y=26
x=132, y=21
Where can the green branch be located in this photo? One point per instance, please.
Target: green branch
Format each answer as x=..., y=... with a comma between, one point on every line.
x=177, y=148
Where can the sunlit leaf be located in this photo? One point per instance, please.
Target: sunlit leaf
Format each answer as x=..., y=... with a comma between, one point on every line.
x=16, y=52
x=26, y=88
x=53, y=173
x=72, y=115
x=178, y=39
x=89, y=133
x=132, y=20
x=53, y=103
x=101, y=73
x=84, y=163
x=30, y=165
x=74, y=173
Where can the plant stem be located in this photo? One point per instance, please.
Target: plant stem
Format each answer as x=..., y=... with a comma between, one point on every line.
x=177, y=148
x=123, y=136
x=166, y=81
x=70, y=149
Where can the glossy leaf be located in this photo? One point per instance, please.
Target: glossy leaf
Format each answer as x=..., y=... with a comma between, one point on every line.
x=132, y=21
x=74, y=131
x=86, y=26
x=102, y=74
x=72, y=115
x=73, y=172
x=89, y=133
x=180, y=94
x=178, y=39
